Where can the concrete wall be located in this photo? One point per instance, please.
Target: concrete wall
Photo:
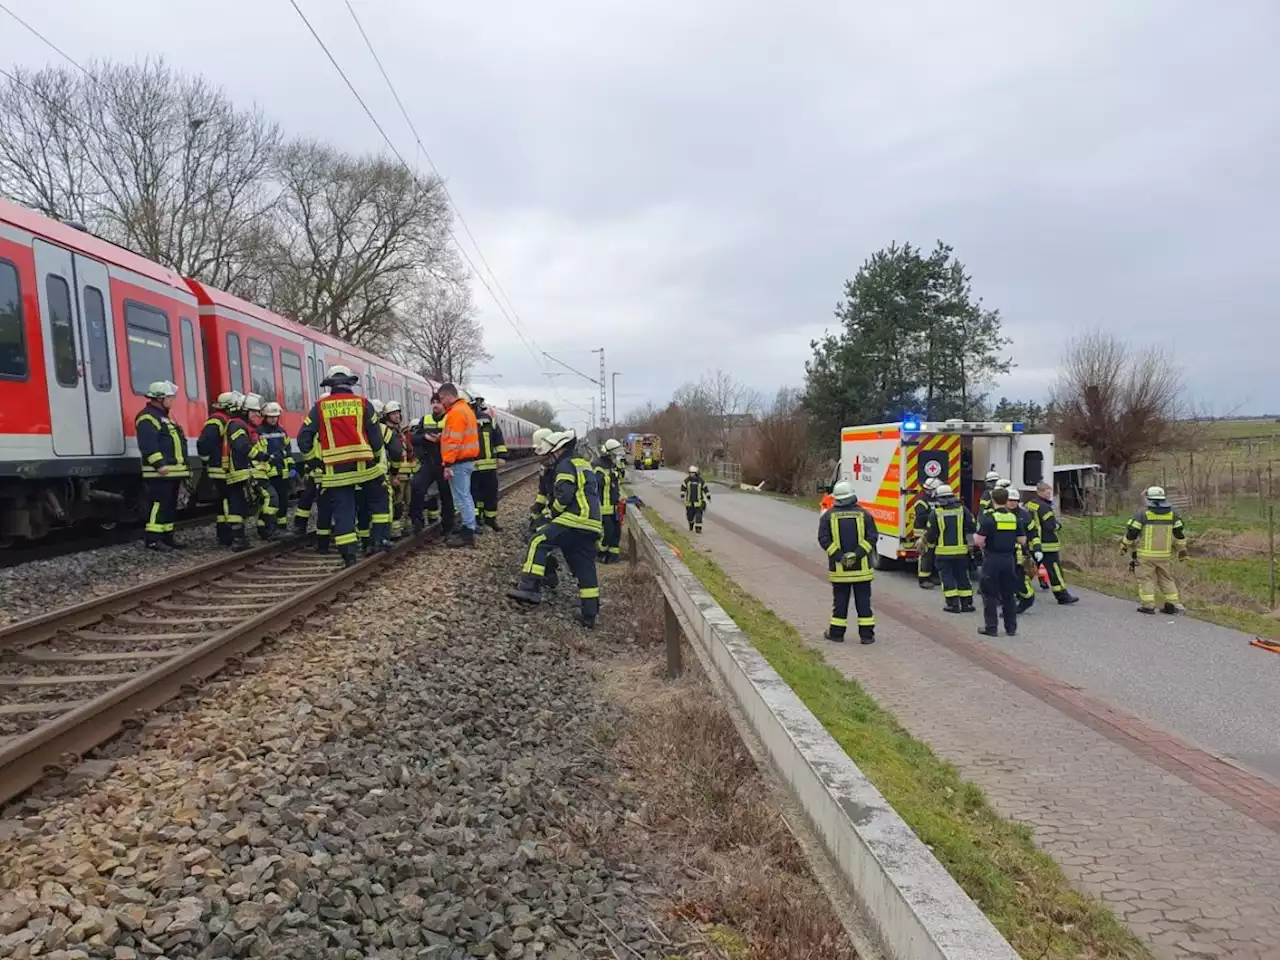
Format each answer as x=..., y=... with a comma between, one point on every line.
x=912, y=905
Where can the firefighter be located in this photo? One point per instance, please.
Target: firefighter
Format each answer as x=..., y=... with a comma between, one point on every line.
x=1046, y=547
x=926, y=575
x=437, y=506
x=364, y=512
x=696, y=497
x=237, y=448
x=310, y=492
x=1024, y=558
x=408, y=470
x=344, y=426
x=1152, y=536
x=484, y=477
x=610, y=493
x=984, y=502
x=950, y=527
x=393, y=457
x=163, y=448
x=848, y=535
x=544, y=441
x=272, y=458
x=574, y=528
x=999, y=536
x=209, y=445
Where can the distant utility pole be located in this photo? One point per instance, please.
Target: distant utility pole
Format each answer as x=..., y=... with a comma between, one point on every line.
x=614, y=381
x=604, y=401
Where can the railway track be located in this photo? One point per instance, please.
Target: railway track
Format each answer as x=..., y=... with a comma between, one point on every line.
x=62, y=543
x=73, y=678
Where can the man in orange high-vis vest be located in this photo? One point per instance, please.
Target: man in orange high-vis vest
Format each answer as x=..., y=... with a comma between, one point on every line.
x=345, y=428
x=459, y=450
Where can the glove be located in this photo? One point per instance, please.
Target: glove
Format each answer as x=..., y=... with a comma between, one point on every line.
x=849, y=559
x=1125, y=546
x=1182, y=554
x=1038, y=556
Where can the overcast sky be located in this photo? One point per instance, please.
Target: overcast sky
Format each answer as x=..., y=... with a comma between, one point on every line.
x=690, y=183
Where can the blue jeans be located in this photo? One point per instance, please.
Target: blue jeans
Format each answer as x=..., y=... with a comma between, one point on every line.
x=462, y=499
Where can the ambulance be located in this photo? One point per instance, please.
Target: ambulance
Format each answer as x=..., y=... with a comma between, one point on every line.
x=888, y=463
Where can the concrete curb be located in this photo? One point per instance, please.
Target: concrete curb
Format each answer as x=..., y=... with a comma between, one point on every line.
x=916, y=910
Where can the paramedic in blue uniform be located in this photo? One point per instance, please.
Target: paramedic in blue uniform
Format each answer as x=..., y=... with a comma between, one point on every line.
x=1000, y=536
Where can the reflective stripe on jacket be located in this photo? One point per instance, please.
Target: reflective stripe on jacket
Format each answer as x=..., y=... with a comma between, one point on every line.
x=1044, y=534
x=209, y=444
x=272, y=454
x=161, y=443
x=950, y=527
x=607, y=481
x=460, y=436
x=576, y=498
x=1153, y=531
x=237, y=446
x=844, y=530
x=694, y=493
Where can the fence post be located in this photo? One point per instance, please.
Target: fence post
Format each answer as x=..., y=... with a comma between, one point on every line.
x=1093, y=548
x=671, y=633
x=1271, y=549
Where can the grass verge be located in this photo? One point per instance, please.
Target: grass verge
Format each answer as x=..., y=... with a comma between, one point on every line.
x=995, y=861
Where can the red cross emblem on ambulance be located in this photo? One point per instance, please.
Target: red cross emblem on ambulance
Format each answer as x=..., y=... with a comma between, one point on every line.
x=857, y=468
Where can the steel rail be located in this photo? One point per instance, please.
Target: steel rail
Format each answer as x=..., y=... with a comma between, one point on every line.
x=57, y=745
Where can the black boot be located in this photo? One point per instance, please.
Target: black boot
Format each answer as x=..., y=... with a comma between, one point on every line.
x=171, y=543
x=299, y=525
x=966, y=606
x=1064, y=597
x=1150, y=611
x=1024, y=604
x=492, y=524
x=465, y=537
x=239, y=542
x=925, y=583
x=154, y=545
x=1171, y=608
x=866, y=635
x=989, y=631
x=834, y=637
x=322, y=544
x=526, y=590
x=953, y=606
x=419, y=525
x=349, y=558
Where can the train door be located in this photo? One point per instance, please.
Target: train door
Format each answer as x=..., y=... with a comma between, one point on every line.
x=79, y=353
x=313, y=380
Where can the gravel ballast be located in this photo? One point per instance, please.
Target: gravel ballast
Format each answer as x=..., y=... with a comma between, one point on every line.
x=417, y=773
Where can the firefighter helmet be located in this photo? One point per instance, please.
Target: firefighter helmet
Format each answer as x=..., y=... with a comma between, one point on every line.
x=544, y=441
x=377, y=406
x=1002, y=482
x=1014, y=495
x=252, y=403
x=1156, y=494
x=227, y=400
x=611, y=445
x=693, y=468
x=942, y=491
x=932, y=484
x=843, y=492
x=992, y=477
x=272, y=409
x=562, y=440
x=339, y=375
x=391, y=406
x=160, y=389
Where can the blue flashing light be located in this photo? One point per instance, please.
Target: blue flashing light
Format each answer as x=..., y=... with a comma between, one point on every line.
x=1017, y=428
x=910, y=424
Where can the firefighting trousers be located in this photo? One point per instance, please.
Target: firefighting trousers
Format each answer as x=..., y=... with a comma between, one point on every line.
x=611, y=537
x=925, y=563
x=235, y=507
x=306, y=501
x=694, y=516
x=1000, y=581
x=861, y=594
x=222, y=527
x=957, y=590
x=161, y=507
x=484, y=490
x=437, y=505
x=274, y=507
x=1053, y=567
x=324, y=517
x=1155, y=582
x=579, y=550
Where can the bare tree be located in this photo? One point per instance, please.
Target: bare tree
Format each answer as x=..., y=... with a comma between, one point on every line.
x=536, y=411
x=151, y=159
x=1119, y=404
x=438, y=334
x=356, y=237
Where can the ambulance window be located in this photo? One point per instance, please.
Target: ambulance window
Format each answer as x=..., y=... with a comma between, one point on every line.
x=13, y=346
x=190, y=370
x=150, y=349
x=95, y=318
x=1032, y=468
x=235, y=365
x=291, y=368
x=62, y=331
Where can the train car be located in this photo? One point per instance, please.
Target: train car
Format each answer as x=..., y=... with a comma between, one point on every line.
x=85, y=326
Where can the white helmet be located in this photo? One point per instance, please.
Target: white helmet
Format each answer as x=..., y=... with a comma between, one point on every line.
x=932, y=484
x=252, y=402
x=272, y=409
x=1014, y=494
x=391, y=406
x=561, y=440
x=544, y=441
x=377, y=406
x=228, y=400
x=942, y=491
x=992, y=477
x=1003, y=483
x=611, y=445
x=340, y=372
x=693, y=468
x=1156, y=494
x=162, y=388
x=843, y=492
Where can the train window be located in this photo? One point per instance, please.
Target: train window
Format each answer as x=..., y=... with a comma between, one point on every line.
x=95, y=318
x=398, y=394
x=190, y=369
x=150, y=349
x=291, y=369
x=62, y=330
x=262, y=370
x=13, y=346
x=311, y=376
x=235, y=365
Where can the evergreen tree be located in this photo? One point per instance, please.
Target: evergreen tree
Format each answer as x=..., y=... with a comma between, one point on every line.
x=914, y=342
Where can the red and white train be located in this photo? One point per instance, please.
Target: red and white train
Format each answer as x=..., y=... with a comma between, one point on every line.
x=86, y=325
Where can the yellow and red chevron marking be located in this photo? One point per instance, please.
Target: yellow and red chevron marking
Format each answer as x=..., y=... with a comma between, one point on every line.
x=945, y=442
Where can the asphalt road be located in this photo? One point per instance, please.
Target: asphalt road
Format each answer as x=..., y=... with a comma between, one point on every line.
x=1198, y=680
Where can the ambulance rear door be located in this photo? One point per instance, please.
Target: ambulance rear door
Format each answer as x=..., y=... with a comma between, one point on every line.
x=1032, y=460
x=871, y=460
